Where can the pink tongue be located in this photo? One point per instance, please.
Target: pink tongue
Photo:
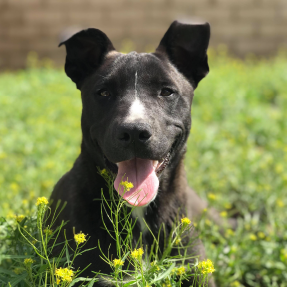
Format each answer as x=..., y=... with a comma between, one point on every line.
x=141, y=173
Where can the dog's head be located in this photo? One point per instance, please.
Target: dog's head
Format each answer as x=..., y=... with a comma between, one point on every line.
x=137, y=107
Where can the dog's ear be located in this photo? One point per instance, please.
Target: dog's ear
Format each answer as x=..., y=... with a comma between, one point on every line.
x=186, y=46
x=85, y=53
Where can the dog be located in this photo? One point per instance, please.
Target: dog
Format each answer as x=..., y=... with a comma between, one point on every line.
x=136, y=120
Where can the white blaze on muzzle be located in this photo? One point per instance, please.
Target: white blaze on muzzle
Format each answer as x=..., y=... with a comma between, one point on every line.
x=136, y=111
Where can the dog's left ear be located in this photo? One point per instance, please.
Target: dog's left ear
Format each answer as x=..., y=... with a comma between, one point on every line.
x=186, y=46
x=85, y=53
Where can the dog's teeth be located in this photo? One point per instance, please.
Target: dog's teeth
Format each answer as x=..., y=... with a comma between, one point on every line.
x=155, y=163
x=117, y=164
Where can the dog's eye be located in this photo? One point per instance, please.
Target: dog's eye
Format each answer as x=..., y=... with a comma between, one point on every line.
x=166, y=92
x=104, y=93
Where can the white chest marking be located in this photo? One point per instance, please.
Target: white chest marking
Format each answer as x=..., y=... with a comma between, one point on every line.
x=138, y=213
x=136, y=111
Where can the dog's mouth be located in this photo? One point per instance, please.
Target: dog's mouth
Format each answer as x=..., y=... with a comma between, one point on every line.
x=143, y=174
x=158, y=165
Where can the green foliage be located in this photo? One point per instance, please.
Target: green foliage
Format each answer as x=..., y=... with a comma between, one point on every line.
x=236, y=156
x=26, y=251
x=39, y=135
x=237, y=160
x=27, y=259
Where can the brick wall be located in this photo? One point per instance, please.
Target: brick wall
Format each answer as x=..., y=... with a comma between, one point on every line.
x=245, y=26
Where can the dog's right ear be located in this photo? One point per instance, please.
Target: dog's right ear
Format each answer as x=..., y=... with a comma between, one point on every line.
x=185, y=45
x=85, y=53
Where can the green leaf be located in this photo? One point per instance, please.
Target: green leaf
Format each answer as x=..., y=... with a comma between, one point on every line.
x=92, y=282
x=164, y=274
x=18, y=279
x=5, y=271
x=83, y=279
x=2, y=257
x=4, y=279
x=130, y=283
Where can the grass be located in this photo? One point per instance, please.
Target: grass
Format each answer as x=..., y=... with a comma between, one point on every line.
x=236, y=158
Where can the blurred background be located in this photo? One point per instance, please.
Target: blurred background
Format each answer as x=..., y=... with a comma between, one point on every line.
x=237, y=151
x=244, y=26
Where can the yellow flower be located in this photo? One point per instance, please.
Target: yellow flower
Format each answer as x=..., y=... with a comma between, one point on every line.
x=177, y=241
x=3, y=155
x=229, y=232
x=14, y=186
x=206, y=267
x=28, y=261
x=261, y=234
x=47, y=183
x=211, y=196
x=279, y=168
x=280, y=202
x=253, y=237
x=154, y=264
x=185, y=221
x=10, y=213
x=137, y=253
x=233, y=248
x=166, y=284
x=48, y=231
x=227, y=205
x=235, y=284
x=19, y=218
x=223, y=214
x=64, y=274
x=118, y=262
x=17, y=271
x=180, y=270
x=284, y=253
x=104, y=172
x=208, y=222
x=140, y=251
x=173, y=270
x=127, y=185
x=80, y=238
x=247, y=226
x=42, y=200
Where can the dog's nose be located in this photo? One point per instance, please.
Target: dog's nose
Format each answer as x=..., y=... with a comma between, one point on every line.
x=134, y=133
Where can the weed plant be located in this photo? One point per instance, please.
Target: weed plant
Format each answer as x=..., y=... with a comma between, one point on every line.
x=27, y=251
